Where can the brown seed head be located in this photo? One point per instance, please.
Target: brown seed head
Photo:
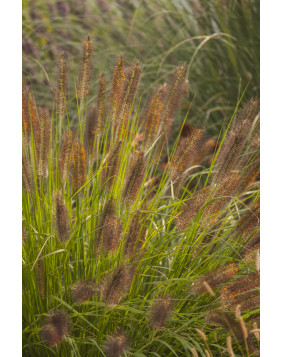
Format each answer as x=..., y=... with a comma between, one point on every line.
x=134, y=179
x=91, y=128
x=66, y=154
x=86, y=67
x=117, y=283
x=128, y=94
x=185, y=149
x=116, y=345
x=61, y=218
x=215, y=278
x=60, y=321
x=240, y=286
x=136, y=234
x=234, y=141
x=50, y=334
x=42, y=140
x=62, y=84
x=111, y=166
x=160, y=312
x=83, y=291
x=78, y=165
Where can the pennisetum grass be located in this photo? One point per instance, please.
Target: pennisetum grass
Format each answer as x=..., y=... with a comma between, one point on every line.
x=110, y=244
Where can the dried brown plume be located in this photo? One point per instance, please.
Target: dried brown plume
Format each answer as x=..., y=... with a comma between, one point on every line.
x=62, y=84
x=83, y=291
x=115, y=346
x=61, y=218
x=233, y=144
x=66, y=154
x=86, y=68
x=78, y=165
x=185, y=149
x=160, y=312
x=136, y=234
x=91, y=128
x=56, y=328
x=42, y=141
x=215, y=278
x=134, y=178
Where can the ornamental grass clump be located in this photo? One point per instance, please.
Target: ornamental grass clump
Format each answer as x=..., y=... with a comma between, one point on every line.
x=121, y=217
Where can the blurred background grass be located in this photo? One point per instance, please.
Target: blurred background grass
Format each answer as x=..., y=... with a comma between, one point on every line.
x=217, y=39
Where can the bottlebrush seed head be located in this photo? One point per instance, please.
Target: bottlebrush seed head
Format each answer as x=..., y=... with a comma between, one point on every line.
x=185, y=149
x=60, y=321
x=134, y=179
x=66, y=154
x=215, y=278
x=136, y=234
x=91, y=128
x=78, y=165
x=116, y=345
x=240, y=286
x=86, y=67
x=83, y=291
x=173, y=98
x=111, y=166
x=27, y=175
x=62, y=83
x=61, y=218
x=117, y=284
x=128, y=94
x=160, y=312
x=192, y=207
x=42, y=140
x=234, y=141
x=50, y=335
x=153, y=116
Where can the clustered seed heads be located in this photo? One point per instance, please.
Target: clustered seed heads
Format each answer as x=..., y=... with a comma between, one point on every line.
x=86, y=67
x=62, y=83
x=61, y=217
x=160, y=312
x=56, y=328
x=116, y=345
x=185, y=149
x=215, y=278
x=83, y=291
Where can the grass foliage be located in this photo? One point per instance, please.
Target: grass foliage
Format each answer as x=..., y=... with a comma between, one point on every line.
x=132, y=246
